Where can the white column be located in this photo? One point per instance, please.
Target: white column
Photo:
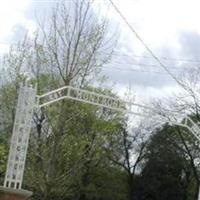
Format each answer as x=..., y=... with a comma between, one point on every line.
x=20, y=137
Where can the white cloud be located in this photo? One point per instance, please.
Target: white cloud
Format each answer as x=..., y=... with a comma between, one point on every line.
x=157, y=21
x=160, y=24
x=144, y=94
x=11, y=14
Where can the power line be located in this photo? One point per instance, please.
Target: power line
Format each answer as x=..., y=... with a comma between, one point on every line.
x=132, y=55
x=136, y=70
x=145, y=45
x=161, y=57
x=149, y=65
x=132, y=69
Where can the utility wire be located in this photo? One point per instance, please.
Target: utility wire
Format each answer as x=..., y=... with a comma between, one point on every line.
x=162, y=57
x=126, y=55
x=135, y=70
x=146, y=46
x=150, y=65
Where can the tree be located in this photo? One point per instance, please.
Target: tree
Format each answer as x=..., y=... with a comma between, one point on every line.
x=163, y=174
x=70, y=165
x=72, y=45
x=187, y=101
x=71, y=50
x=3, y=159
x=128, y=153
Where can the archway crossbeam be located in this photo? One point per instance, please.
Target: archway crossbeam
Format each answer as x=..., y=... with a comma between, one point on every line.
x=189, y=124
x=89, y=97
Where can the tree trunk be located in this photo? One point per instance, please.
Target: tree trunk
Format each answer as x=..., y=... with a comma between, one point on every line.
x=131, y=187
x=197, y=195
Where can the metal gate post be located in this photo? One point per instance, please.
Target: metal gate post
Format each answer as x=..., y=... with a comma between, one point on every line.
x=20, y=137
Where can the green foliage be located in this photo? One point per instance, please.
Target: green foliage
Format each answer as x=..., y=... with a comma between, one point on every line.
x=3, y=161
x=165, y=172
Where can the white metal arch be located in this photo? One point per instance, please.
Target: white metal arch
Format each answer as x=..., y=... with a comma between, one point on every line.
x=28, y=100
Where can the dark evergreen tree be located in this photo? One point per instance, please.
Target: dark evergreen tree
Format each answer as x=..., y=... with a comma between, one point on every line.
x=163, y=174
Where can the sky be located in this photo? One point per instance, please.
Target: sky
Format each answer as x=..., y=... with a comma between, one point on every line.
x=170, y=28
